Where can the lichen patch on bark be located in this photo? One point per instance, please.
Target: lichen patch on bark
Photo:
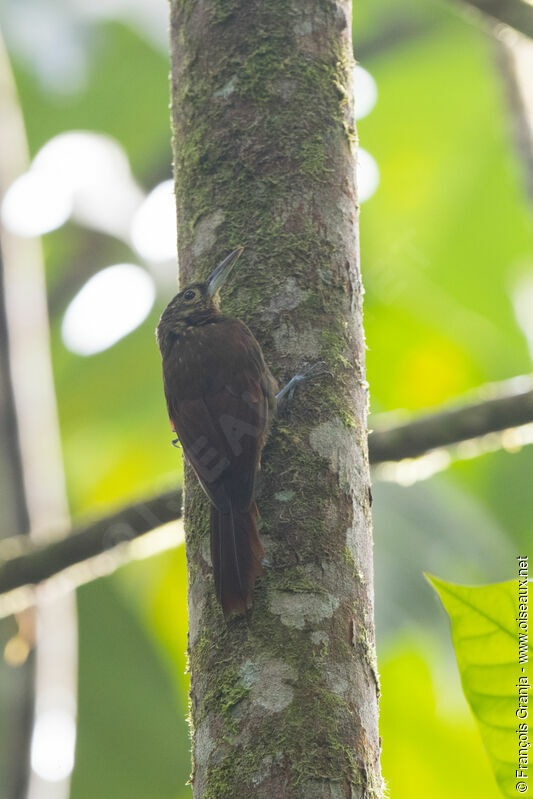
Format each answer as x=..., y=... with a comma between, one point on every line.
x=205, y=232
x=324, y=789
x=298, y=342
x=284, y=496
x=204, y=742
x=297, y=610
x=196, y=595
x=269, y=681
x=331, y=440
x=227, y=89
x=289, y=297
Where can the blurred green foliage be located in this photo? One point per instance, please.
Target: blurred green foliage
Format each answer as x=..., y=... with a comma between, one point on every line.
x=443, y=240
x=132, y=730
x=449, y=230
x=430, y=746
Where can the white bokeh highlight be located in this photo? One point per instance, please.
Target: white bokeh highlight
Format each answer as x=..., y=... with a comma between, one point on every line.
x=109, y=306
x=33, y=205
x=76, y=174
x=53, y=744
x=153, y=228
x=365, y=91
x=367, y=175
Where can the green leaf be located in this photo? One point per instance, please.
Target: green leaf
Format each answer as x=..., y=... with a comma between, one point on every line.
x=485, y=637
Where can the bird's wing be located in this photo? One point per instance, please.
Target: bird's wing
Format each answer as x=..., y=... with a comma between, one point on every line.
x=219, y=409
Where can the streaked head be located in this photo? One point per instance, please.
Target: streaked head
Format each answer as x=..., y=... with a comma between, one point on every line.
x=198, y=301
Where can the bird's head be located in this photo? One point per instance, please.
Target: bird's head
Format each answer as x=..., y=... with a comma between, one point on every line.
x=198, y=302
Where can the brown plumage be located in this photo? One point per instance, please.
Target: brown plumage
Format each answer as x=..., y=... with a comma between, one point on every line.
x=220, y=396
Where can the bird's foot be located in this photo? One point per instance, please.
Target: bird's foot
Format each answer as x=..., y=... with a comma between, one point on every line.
x=287, y=392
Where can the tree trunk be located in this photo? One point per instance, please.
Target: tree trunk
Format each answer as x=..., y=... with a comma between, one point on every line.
x=284, y=702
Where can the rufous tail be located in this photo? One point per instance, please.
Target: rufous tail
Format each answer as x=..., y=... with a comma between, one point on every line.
x=236, y=553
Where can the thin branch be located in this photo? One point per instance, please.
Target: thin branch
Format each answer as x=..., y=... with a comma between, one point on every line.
x=392, y=32
x=516, y=13
x=40, y=563
x=452, y=426
x=514, y=56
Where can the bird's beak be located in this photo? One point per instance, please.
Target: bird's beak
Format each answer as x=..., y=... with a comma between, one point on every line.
x=218, y=277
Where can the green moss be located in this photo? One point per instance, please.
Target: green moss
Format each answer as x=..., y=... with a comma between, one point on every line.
x=316, y=725
x=308, y=741
x=220, y=782
x=214, y=638
x=202, y=648
x=275, y=80
x=227, y=692
x=296, y=581
x=307, y=473
x=314, y=734
x=334, y=345
x=348, y=419
x=367, y=649
x=314, y=157
x=349, y=560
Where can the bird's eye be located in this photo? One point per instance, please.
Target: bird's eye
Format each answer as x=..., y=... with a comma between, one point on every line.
x=189, y=295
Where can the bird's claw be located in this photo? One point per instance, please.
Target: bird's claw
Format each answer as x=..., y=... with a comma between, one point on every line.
x=176, y=443
x=316, y=370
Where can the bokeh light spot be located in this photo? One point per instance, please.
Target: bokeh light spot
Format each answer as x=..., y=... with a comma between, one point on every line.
x=109, y=306
x=430, y=372
x=34, y=204
x=365, y=91
x=16, y=651
x=95, y=172
x=367, y=175
x=77, y=173
x=52, y=745
x=153, y=229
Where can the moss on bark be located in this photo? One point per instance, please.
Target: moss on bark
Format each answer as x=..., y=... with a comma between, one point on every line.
x=283, y=702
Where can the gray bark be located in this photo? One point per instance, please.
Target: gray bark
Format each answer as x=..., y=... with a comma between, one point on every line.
x=284, y=702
